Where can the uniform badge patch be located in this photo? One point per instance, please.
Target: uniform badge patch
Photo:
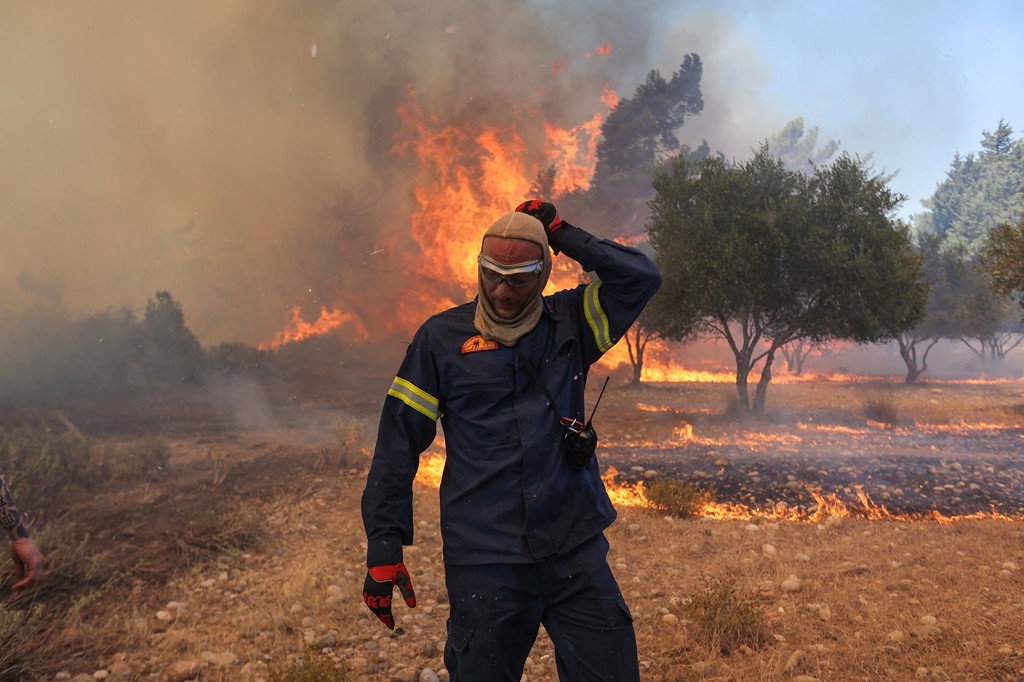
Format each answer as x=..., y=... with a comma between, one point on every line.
x=478, y=343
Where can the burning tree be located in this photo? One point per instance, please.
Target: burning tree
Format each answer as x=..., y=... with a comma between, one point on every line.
x=759, y=256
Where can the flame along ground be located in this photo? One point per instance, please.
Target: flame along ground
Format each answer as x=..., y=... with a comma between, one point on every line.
x=827, y=505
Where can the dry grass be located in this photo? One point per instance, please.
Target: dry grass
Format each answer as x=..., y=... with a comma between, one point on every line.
x=877, y=600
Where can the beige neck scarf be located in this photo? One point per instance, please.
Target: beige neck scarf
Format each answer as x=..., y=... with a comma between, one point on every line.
x=487, y=321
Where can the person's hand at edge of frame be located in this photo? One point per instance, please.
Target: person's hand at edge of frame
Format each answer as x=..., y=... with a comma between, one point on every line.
x=28, y=563
x=379, y=585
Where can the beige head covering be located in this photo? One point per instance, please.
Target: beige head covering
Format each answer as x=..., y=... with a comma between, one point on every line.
x=487, y=322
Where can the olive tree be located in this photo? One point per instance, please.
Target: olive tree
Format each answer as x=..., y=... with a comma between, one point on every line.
x=757, y=256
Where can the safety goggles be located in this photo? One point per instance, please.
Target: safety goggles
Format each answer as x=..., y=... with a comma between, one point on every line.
x=516, y=276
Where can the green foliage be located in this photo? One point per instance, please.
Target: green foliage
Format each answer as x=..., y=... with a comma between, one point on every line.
x=1002, y=257
x=51, y=357
x=19, y=645
x=755, y=254
x=145, y=458
x=794, y=146
x=309, y=666
x=676, y=498
x=981, y=191
x=43, y=463
x=725, y=618
x=641, y=130
x=170, y=352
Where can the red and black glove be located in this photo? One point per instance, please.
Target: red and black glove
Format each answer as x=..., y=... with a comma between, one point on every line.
x=542, y=211
x=380, y=583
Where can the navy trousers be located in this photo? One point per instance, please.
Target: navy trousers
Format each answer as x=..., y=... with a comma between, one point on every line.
x=497, y=610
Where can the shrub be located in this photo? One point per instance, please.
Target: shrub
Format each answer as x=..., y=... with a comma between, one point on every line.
x=880, y=405
x=678, y=499
x=725, y=618
x=346, y=454
x=40, y=464
x=145, y=458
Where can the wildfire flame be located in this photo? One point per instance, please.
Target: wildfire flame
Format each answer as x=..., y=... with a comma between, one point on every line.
x=298, y=329
x=827, y=506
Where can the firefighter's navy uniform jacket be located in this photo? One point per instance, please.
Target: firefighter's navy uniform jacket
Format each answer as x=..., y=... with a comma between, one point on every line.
x=508, y=495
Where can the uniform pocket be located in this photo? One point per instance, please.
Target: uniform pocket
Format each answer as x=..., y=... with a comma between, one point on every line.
x=456, y=646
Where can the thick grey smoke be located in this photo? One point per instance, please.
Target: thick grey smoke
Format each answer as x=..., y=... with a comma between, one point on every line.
x=196, y=148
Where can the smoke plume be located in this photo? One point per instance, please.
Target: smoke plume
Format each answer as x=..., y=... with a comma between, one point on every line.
x=218, y=150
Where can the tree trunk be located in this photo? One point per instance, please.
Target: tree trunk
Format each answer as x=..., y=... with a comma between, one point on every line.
x=742, y=394
x=638, y=364
x=761, y=393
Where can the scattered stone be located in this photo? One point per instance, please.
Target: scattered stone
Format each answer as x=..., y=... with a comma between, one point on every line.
x=752, y=528
x=929, y=620
x=896, y=636
x=62, y=675
x=927, y=632
x=406, y=675
x=184, y=670
x=328, y=641
x=428, y=675
x=702, y=668
x=802, y=557
x=795, y=660
x=669, y=619
x=221, y=659
x=101, y=674
x=825, y=613
x=805, y=678
x=768, y=550
x=164, y=616
x=791, y=584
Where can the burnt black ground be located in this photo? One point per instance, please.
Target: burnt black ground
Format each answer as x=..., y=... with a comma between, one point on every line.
x=906, y=470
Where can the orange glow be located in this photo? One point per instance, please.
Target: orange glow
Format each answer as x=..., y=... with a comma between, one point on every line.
x=602, y=51
x=468, y=172
x=609, y=97
x=623, y=494
x=298, y=329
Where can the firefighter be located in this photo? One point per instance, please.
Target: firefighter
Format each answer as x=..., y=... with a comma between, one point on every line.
x=28, y=562
x=523, y=507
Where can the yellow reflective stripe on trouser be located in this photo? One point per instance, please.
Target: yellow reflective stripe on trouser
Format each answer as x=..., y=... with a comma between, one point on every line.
x=414, y=397
x=596, y=318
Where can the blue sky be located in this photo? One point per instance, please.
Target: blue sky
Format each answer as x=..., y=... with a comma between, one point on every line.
x=913, y=82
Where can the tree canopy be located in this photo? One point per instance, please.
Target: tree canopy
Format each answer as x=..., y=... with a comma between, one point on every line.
x=641, y=130
x=981, y=191
x=1003, y=259
x=759, y=256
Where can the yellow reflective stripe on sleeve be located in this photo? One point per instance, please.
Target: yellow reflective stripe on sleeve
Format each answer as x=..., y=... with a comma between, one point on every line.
x=596, y=318
x=415, y=397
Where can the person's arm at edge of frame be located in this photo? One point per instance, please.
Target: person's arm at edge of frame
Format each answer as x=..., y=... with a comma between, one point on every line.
x=408, y=425
x=28, y=561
